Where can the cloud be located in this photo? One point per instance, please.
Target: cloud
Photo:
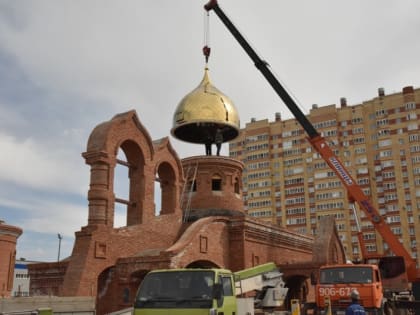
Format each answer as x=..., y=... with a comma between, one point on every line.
x=42, y=217
x=32, y=164
x=45, y=214
x=42, y=246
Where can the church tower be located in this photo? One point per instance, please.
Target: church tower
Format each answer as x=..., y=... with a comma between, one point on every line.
x=8, y=238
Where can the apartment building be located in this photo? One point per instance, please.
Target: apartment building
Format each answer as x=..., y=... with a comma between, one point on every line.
x=21, y=279
x=287, y=182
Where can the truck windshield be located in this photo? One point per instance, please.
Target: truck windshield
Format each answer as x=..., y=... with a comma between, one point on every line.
x=346, y=275
x=175, y=289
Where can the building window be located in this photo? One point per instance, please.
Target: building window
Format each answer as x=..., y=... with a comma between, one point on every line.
x=383, y=132
x=371, y=248
x=412, y=116
x=412, y=126
x=396, y=230
x=414, y=137
x=382, y=122
x=409, y=106
x=236, y=186
x=386, y=153
x=358, y=130
x=360, y=150
x=357, y=120
x=384, y=143
x=216, y=184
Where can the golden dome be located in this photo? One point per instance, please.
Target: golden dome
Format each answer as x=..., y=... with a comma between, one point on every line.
x=202, y=112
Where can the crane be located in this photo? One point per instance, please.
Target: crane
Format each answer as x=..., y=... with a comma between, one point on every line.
x=322, y=147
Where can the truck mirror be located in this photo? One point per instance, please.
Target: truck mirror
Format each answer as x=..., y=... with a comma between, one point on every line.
x=217, y=291
x=313, y=278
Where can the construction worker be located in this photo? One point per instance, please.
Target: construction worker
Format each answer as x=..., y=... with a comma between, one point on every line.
x=355, y=308
x=218, y=139
x=208, y=142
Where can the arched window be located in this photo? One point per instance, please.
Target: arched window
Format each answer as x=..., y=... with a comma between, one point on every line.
x=121, y=190
x=236, y=186
x=130, y=163
x=166, y=177
x=216, y=183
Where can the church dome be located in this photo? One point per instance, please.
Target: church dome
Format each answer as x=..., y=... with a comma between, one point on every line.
x=202, y=112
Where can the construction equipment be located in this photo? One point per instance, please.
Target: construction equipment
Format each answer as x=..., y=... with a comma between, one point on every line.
x=381, y=281
x=363, y=250
x=383, y=288
x=187, y=190
x=210, y=291
x=322, y=147
x=336, y=282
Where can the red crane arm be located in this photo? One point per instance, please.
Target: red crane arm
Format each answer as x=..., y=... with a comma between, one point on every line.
x=320, y=145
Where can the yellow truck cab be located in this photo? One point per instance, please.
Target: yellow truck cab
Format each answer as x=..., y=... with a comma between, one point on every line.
x=210, y=291
x=186, y=291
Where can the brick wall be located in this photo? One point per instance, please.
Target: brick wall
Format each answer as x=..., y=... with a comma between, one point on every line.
x=8, y=237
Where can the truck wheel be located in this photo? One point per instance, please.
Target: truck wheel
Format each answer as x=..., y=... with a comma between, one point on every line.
x=388, y=309
x=309, y=309
x=379, y=311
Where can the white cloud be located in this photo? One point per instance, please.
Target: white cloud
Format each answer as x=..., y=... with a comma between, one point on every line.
x=38, y=166
x=9, y=116
x=43, y=246
x=108, y=52
x=45, y=215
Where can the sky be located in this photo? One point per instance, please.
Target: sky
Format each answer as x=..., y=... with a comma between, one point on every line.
x=66, y=66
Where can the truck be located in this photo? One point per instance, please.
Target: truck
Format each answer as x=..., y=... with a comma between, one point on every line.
x=399, y=299
x=383, y=287
x=381, y=281
x=336, y=282
x=212, y=291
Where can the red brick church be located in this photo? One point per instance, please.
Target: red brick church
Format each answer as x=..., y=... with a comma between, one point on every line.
x=200, y=223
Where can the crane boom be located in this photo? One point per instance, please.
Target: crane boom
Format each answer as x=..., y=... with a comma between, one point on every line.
x=321, y=146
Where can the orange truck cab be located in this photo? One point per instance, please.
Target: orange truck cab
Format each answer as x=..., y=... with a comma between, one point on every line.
x=335, y=282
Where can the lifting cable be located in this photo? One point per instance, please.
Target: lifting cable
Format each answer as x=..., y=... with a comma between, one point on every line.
x=206, y=48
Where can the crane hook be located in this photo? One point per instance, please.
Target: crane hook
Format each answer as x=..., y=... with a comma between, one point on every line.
x=206, y=52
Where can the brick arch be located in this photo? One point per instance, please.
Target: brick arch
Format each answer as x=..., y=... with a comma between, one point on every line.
x=237, y=185
x=107, y=136
x=108, y=285
x=204, y=236
x=298, y=285
x=105, y=279
x=126, y=132
x=168, y=185
x=168, y=170
x=202, y=264
x=135, y=163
